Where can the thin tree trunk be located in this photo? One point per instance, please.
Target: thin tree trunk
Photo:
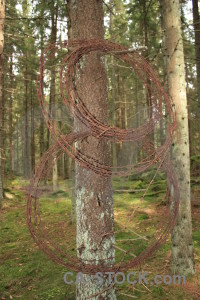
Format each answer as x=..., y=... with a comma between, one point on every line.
x=66, y=166
x=2, y=115
x=2, y=18
x=137, y=117
x=114, y=146
x=196, y=22
x=146, y=42
x=52, y=100
x=119, y=118
x=94, y=203
x=32, y=132
x=26, y=159
x=73, y=196
x=10, y=115
x=42, y=148
x=182, y=261
x=17, y=148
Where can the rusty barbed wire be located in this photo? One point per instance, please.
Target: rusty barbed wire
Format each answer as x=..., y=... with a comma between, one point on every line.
x=67, y=56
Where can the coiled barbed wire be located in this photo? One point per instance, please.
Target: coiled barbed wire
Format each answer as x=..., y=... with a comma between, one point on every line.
x=64, y=143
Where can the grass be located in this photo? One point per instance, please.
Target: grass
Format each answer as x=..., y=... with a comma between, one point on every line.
x=27, y=273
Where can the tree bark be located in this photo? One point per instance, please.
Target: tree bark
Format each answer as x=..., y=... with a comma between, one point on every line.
x=2, y=18
x=73, y=197
x=32, y=131
x=26, y=159
x=137, y=117
x=17, y=147
x=42, y=147
x=52, y=100
x=94, y=202
x=26, y=142
x=146, y=43
x=11, y=166
x=118, y=118
x=182, y=261
x=114, y=146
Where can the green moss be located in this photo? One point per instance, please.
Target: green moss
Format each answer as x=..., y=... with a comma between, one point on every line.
x=196, y=237
x=143, y=217
x=27, y=273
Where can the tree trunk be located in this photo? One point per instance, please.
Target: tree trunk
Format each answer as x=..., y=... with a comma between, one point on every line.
x=42, y=148
x=52, y=100
x=17, y=147
x=73, y=196
x=94, y=203
x=2, y=18
x=11, y=167
x=32, y=131
x=196, y=22
x=137, y=117
x=182, y=262
x=146, y=43
x=119, y=123
x=113, y=106
x=26, y=159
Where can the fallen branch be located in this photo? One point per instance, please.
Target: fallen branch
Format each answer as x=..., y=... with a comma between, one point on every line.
x=128, y=295
x=127, y=240
x=126, y=252
x=130, y=191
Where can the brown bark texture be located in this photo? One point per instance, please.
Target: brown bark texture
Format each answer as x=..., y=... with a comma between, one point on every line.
x=2, y=16
x=182, y=261
x=94, y=202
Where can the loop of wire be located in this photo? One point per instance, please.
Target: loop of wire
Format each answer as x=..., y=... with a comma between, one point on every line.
x=69, y=56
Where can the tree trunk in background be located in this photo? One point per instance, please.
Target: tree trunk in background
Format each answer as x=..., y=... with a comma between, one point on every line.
x=163, y=122
x=94, y=203
x=146, y=43
x=73, y=197
x=196, y=22
x=137, y=117
x=26, y=158
x=114, y=145
x=32, y=132
x=66, y=166
x=52, y=100
x=17, y=148
x=2, y=115
x=118, y=117
x=182, y=261
x=2, y=18
x=42, y=148
x=10, y=116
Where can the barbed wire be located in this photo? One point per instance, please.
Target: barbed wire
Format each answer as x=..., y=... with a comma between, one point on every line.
x=64, y=143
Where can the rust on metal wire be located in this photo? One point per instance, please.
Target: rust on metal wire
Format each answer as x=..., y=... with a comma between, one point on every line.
x=64, y=143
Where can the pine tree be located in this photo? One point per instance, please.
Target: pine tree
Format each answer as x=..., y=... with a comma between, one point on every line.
x=196, y=22
x=182, y=261
x=2, y=18
x=94, y=203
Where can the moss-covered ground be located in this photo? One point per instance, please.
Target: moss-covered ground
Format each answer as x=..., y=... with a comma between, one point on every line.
x=27, y=273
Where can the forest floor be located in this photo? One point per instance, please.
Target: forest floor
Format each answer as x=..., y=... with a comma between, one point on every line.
x=26, y=273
